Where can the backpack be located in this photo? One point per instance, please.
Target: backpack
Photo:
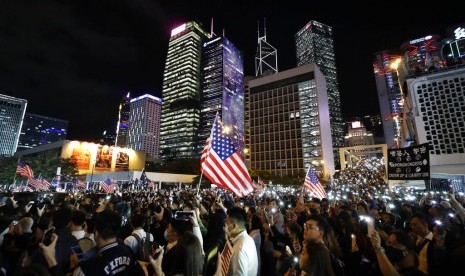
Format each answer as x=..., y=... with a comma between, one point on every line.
x=144, y=248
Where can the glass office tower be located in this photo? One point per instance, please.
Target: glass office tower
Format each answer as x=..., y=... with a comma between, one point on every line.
x=144, y=124
x=12, y=112
x=39, y=130
x=122, y=127
x=181, y=91
x=223, y=90
x=315, y=44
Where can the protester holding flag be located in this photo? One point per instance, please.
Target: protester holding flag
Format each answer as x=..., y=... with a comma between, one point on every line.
x=107, y=186
x=313, y=184
x=223, y=164
x=244, y=259
x=24, y=169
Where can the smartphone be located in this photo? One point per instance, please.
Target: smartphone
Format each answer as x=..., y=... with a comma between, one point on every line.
x=288, y=250
x=370, y=225
x=183, y=215
x=157, y=252
x=78, y=251
x=47, y=240
x=14, y=222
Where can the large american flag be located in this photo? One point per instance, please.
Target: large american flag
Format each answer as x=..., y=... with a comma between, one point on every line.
x=313, y=184
x=107, y=186
x=223, y=164
x=24, y=170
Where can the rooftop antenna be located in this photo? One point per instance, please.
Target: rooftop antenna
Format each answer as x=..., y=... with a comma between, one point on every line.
x=266, y=58
x=264, y=27
x=211, y=28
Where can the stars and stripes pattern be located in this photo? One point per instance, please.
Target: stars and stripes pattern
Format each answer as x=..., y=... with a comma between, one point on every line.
x=80, y=184
x=314, y=185
x=223, y=164
x=107, y=186
x=24, y=169
x=226, y=257
x=39, y=184
x=151, y=185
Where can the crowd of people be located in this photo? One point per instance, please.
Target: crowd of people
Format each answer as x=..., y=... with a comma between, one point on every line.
x=360, y=229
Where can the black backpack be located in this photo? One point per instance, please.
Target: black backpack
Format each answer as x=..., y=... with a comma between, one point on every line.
x=144, y=247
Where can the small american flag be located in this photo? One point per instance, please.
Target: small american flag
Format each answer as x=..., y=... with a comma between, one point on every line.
x=24, y=169
x=80, y=184
x=107, y=186
x=226, y=258
x=39, y=184
x=314, y=185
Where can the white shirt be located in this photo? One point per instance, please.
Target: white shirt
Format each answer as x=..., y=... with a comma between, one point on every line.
x=244, y=259
x=132, y=242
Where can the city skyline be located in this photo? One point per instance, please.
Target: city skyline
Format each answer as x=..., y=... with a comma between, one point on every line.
x=75, y=61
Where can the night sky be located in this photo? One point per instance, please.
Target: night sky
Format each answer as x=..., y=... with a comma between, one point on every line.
x=74, y=60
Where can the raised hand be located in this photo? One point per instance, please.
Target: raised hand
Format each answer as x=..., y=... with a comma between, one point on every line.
x=40, y=211
x=29, y=206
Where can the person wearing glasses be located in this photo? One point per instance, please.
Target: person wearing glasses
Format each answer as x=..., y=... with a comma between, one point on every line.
x=317, y=228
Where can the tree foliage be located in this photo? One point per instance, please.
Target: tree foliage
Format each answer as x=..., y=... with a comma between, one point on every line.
x=44, y=164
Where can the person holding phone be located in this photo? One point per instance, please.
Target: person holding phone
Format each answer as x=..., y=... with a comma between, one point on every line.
x=113, y=258
x=399, y=257
x=15, y=242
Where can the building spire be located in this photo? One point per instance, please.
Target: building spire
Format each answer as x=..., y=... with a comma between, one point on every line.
x=266, y=58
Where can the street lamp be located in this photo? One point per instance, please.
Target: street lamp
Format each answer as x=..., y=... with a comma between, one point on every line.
x=92, y=163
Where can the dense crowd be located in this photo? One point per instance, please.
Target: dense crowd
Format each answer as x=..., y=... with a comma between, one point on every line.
x=276, y=231
x=362, y=228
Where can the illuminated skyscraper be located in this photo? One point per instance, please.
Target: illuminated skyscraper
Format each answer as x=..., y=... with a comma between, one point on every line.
x=223, y=89
x=181, y=91
x=40, y=130
x=144, y=124
x=390, y=98
x=314, y=44
x=122, y=127
x=12, y=112
x=289, y=123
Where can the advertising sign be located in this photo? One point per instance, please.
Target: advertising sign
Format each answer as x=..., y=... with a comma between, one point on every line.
x=81, y=156
x=103, y=160
x=410, y=163
x=122, y=161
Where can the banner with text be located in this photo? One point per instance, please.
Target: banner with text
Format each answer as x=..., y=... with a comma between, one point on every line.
x=410, y=163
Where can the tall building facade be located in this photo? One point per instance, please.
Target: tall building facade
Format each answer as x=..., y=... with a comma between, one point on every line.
x=144, y=124
x=181, y=91
x=222, y=90
x=289, y=120
x=39, y=130
x=438, y=111
x=389, y=89
x=122, y=127
x=315, y=44
x=358, y=135
x=12, y=112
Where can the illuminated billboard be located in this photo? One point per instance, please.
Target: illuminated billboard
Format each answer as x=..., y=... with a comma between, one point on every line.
x=232, y=113
x=101, y=158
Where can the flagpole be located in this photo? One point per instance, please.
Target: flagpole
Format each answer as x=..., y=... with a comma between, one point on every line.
x=303, y=185
x=14, y=179
x=210, y=140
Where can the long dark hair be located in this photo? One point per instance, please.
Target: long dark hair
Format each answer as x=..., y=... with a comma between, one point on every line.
x=319, y=259
x=189, y=255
